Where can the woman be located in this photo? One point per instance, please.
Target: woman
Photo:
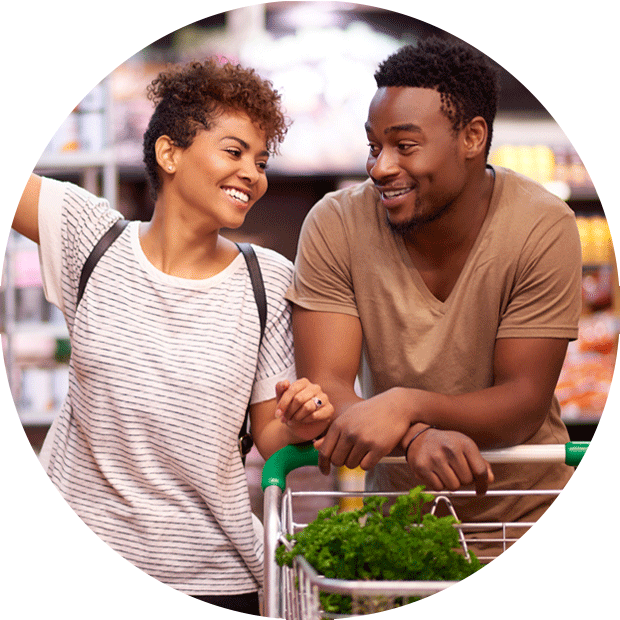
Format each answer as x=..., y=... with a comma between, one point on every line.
x=165, y=341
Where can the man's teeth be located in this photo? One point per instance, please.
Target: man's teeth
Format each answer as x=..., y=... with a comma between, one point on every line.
x=237, y=194
x=395, y=192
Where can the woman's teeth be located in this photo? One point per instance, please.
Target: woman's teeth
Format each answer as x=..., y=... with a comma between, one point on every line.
x=237, y=195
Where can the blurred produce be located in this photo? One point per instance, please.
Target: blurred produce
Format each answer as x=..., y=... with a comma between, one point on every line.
x=586, y=376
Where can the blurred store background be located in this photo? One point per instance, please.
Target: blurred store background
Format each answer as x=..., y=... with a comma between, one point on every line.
x=321, y=56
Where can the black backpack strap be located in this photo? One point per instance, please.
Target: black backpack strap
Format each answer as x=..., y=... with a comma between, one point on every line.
x=245, y=439
x=257, y=284
x=97, y=252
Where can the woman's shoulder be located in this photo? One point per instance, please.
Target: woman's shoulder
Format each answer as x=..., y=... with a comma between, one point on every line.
x=54, y=189
x=78, y=208
x=274, y=266
x=271, y=259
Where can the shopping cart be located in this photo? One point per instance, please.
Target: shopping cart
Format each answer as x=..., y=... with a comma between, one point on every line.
x=293, y=593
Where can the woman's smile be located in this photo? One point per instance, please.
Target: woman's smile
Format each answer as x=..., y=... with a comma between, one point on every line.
x=239, y=196
x=221, y=175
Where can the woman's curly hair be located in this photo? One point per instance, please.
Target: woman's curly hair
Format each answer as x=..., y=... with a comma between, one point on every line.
x=466, y=80
x=190, y=97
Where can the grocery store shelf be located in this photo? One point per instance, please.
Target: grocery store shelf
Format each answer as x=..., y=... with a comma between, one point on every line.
x=57, y=331
x=37, y=418
x=528, y=129
x=76, y=160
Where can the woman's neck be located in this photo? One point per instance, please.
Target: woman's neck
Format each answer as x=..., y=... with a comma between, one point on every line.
x=179, y=247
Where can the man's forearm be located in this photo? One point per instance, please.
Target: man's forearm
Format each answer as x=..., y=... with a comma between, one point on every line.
x=494, y=417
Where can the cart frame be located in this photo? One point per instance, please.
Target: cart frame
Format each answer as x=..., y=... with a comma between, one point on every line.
x=278, y=518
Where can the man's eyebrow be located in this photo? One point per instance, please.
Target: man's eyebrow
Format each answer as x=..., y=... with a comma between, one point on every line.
x=404, y=127
x=244, y=144
x=411, y=127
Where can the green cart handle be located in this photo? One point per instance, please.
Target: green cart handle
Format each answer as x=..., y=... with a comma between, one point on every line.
x=575, y=451
x=280, y=464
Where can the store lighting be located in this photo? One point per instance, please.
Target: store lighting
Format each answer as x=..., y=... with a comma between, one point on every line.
x=559, y=188
x=313, y=15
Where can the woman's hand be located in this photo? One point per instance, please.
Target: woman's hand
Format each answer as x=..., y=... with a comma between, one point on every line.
x=446, y=459
x=304, y=408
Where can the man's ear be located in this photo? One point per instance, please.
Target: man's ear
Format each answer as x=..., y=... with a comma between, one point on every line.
x=166, y=154
x=475, y=135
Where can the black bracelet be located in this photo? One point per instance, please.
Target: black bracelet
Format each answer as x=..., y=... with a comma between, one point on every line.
x=319, y=436
x=415, y=437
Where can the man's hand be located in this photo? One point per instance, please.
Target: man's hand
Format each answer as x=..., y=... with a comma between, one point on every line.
x=364, y=433
x=446, y=460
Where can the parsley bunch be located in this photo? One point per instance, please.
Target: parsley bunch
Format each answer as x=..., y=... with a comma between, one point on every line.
x=368, y=544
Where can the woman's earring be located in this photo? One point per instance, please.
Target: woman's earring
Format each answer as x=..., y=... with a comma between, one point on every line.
x=170, y=168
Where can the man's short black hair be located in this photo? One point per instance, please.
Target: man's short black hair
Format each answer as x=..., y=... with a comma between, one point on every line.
x=466, y=79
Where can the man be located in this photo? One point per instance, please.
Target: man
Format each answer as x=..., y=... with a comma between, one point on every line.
x=456, y=283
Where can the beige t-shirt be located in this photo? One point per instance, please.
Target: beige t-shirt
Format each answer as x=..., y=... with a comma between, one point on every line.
x=521, y=280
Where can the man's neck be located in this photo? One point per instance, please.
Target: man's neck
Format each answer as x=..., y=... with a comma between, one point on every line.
x=457, y=229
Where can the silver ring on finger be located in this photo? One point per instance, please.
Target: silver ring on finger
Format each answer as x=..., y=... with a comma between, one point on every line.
x=318, y=402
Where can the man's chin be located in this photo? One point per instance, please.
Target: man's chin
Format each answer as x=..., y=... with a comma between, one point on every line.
x=402, y=227
x=405, y=226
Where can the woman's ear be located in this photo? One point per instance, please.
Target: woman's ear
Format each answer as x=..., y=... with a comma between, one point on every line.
x=166, y=154
x=475, y=135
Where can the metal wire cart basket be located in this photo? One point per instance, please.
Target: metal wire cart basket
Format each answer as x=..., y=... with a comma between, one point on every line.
x=295, y=592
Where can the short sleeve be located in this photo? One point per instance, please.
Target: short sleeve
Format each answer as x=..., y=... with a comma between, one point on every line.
x=71, y=221
x=276, y=358
x=545, y=300
x=322, y=279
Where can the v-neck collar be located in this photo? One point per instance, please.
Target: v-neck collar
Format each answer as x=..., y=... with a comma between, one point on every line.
x=417, y=277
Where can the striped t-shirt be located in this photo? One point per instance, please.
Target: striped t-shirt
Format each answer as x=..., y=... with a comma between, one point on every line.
x=145, y=448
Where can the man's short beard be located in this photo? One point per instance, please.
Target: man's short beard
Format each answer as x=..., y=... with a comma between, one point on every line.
x=401, y=228
x=404, y=228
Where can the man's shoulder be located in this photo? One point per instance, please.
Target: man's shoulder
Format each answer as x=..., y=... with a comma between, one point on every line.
x=529, y=218
x=519, y=190
x=352, y=197
x=350, y=207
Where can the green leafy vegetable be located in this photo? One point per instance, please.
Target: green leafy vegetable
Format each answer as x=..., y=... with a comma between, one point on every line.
x=369, y=544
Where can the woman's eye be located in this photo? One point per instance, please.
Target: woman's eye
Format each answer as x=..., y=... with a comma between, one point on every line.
x=263, y=165
x=234, y=152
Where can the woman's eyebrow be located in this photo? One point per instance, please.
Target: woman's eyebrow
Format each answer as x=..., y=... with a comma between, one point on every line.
x=244, y=144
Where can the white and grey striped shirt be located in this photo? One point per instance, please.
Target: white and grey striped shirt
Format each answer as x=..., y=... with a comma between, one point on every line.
x=162, y=368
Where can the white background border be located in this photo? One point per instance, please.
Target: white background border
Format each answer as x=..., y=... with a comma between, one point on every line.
x=51, y=565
